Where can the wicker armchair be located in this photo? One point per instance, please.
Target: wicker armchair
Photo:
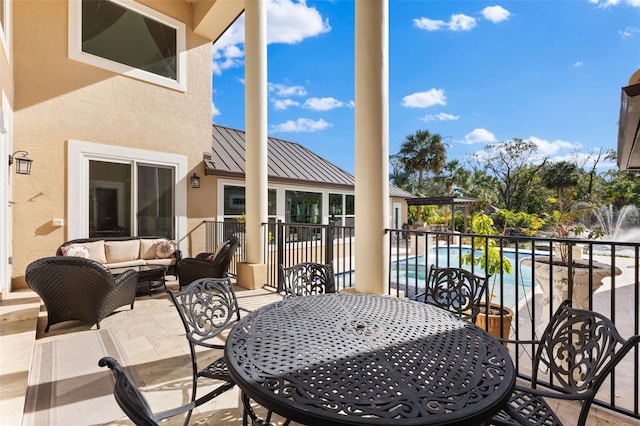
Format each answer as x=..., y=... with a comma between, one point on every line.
x=190, y=269
x=75, y=288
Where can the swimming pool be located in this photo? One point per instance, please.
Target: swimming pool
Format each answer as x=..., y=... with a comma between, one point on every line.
x=409, y=274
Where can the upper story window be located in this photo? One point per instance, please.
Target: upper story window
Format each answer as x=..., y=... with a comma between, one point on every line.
x=128, y=38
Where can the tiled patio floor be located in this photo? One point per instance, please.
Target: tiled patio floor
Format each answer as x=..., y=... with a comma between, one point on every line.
x=152, y=338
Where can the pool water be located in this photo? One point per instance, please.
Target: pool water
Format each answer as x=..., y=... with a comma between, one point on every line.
x=411, y=273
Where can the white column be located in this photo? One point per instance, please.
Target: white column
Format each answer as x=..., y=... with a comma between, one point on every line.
x=256, y=126
x=371, y=145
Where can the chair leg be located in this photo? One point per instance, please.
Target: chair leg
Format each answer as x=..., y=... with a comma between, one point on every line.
x=194, y=387
x=249, y=413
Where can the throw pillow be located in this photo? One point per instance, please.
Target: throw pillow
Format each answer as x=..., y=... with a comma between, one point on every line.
x=165, y=249
x=76, y=250
x=218, y=250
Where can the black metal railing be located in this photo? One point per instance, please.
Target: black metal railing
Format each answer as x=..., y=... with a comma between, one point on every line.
x=291, y=243
x=602, y=276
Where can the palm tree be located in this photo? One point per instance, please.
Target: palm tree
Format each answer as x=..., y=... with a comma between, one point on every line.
x=422, y=152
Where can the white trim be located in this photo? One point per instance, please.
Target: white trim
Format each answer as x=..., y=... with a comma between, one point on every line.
x=280, y=197
x=79, y=153
x=5, y=170
x=5, y=33
x=76, y=53
x=396, y=207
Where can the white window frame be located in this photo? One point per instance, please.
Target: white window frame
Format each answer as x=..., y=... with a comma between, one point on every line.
x=5, y=34
x=280, y=198
x=76, y=53
x=80, y=153
x=5, y=206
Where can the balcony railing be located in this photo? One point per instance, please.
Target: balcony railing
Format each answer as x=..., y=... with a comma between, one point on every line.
x=601, y=275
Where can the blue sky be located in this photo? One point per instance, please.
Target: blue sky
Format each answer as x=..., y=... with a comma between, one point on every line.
x=475, y=72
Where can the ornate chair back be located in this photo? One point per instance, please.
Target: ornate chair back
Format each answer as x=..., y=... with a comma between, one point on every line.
x=576, y=353
x=455, y=289
x=207, y=307
x=307, y=278
x=578, y=350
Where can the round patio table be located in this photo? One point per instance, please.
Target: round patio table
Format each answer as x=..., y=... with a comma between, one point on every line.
x=358, y=359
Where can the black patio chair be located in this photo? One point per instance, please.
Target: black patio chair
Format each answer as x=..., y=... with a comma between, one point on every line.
x=455, y=289
x=307, y=278
x=207, y=307
x=578, y=350
x=207, y=265
x=133, y=402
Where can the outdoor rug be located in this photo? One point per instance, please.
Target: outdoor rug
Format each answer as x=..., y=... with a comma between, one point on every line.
x=66, y=386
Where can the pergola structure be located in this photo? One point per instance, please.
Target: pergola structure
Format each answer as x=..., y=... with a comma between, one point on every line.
x=445, y=201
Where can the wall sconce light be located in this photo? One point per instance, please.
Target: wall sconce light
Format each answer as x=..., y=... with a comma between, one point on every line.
x=23, y=162
x=195, y=180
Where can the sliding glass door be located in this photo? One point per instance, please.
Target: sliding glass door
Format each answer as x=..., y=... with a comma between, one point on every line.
x=130, y=199
x=155, y=201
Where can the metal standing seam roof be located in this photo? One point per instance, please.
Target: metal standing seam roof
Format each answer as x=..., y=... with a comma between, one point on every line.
x=287, y=162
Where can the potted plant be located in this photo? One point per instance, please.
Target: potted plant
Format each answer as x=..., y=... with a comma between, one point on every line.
x=495, y=318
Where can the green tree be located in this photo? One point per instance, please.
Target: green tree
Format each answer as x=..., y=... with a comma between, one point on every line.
x=400, y=177
x=482, y=186
x=420, y=153
x=561, y=176
x=622, y=188
x=510, y=162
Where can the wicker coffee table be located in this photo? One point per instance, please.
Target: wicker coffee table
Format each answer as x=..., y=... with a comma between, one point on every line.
x=151, y=278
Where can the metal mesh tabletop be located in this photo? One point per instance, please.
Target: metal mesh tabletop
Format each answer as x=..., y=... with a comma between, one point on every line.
x=366, y=359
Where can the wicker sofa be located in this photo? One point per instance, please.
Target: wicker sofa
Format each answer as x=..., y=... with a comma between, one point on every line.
x=75, y=288
x=118, y=254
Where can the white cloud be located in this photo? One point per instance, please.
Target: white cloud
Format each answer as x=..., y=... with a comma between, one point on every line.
x=429, y=24
x=215, y=111
x=604, y=3
x=629, y=31
x=578, y=64
x=479, y=136
x=284, y=91
x=301, y=125
x=458, y=22
x=551, y=149
x=288, y=21
x=227, y=57
x=607, y=3
x=495, y=14
x=425, y=99
x=443, y=116
x=282, y=104
x=322, y=104
x=291, y=22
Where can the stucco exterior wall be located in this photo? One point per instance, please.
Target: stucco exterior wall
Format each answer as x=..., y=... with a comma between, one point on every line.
x=57, y=99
